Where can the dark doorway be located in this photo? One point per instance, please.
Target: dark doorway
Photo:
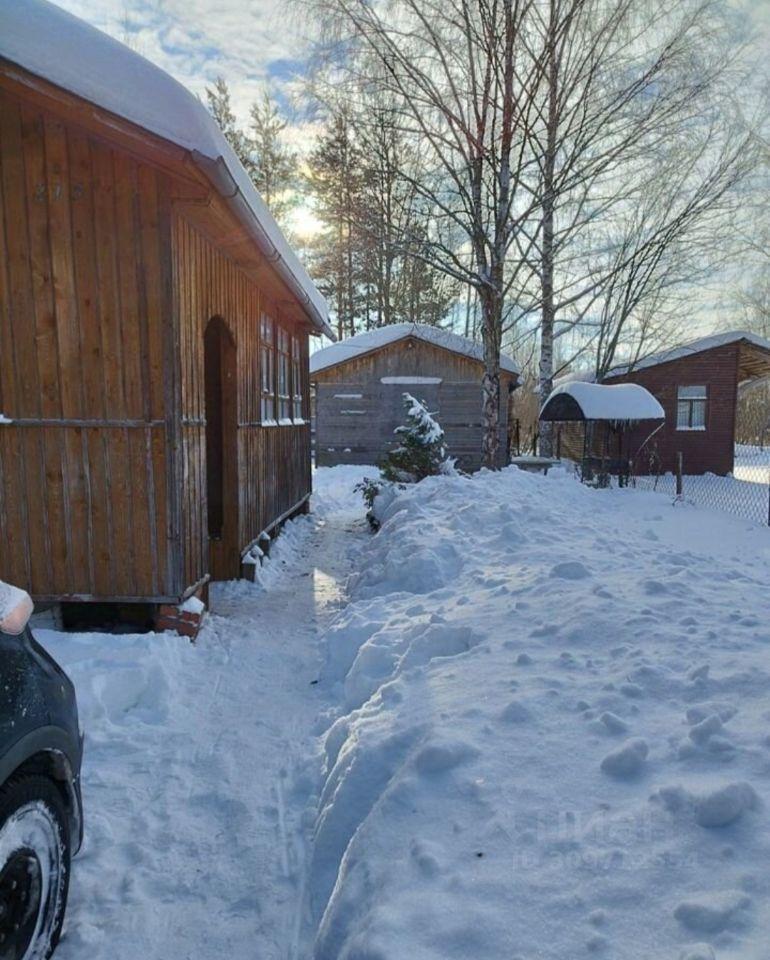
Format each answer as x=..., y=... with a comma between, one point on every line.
x=221, y=450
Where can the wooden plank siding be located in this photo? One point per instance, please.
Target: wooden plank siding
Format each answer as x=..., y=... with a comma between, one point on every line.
x=273, y=461
x=343, y=436
x=83, y=300
x=115, y=252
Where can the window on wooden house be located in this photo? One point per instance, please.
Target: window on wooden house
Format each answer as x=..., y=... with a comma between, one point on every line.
x=284, y=369
x=296, y=376
x=691, y=408
x=267, y=368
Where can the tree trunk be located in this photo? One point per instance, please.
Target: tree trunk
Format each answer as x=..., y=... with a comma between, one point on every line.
x=547, y=266
x=491, y=318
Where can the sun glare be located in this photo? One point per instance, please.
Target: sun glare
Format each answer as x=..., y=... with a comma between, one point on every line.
x=304, y=223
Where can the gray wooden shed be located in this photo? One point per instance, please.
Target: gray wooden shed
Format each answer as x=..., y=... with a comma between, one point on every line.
x=359, y=385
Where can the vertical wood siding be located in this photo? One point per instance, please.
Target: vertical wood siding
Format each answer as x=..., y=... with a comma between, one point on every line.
x=83, y=362
x=273, y=462
x=361, y=430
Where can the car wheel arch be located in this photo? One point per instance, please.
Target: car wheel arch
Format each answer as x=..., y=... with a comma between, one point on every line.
x=47, y=752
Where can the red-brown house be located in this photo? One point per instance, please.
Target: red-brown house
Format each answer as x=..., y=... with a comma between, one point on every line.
x=697, y=386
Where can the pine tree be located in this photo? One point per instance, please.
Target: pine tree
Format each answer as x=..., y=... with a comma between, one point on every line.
x=275, y=167
x=421, y=452
x=334, y=179
x=221, y=109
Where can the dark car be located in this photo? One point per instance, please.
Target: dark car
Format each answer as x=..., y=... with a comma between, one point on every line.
x=41, y=822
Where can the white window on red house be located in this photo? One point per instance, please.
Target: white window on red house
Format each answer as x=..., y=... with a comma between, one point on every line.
x=267, y=368
x=691, y=408
x=284, y=362
x=296, y=376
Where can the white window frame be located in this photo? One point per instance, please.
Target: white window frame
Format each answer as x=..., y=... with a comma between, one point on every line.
x=267, y=370
x=283, y=375
x=687, y=396
x=296, y=380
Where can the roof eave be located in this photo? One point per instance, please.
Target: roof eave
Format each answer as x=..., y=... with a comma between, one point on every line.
x=219, y=175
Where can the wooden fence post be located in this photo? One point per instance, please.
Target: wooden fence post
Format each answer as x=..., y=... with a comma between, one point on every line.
x=679, y=484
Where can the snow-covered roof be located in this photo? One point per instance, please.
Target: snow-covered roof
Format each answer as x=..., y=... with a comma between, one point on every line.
x=688, y=349
x=51, y=43
x=598, y=401
x=374, y=339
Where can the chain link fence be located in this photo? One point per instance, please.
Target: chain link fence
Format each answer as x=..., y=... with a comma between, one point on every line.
x=745, y=494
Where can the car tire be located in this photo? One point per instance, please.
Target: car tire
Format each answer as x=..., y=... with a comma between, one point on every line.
x=35, y=856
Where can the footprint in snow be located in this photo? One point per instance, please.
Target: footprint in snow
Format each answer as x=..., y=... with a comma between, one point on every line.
x=707, y=735
x=570, y=570
x=627, y=761
x=718, y=807
x=711, y=912
x=515, y=712
x=610, y=722
x=697, y=951
x=440, y=757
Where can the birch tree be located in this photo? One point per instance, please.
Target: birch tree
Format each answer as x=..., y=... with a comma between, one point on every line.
x=621, y=78
x=463, y=88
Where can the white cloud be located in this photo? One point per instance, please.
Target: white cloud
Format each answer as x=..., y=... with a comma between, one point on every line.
x=197, y=40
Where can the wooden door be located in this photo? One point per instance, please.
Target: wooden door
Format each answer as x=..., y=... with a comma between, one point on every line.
x=221, y=450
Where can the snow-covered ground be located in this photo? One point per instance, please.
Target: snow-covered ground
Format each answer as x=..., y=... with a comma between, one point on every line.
x=751, y=463
x=745, y=494
x=554, y=739
x=540, y=730
x=193, y=767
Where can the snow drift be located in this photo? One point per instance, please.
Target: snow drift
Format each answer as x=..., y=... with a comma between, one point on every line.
x=553, y=734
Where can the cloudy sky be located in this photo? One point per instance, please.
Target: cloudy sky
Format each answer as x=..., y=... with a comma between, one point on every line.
x=249, y=42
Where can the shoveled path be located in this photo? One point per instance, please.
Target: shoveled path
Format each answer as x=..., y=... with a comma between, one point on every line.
x=193, y=779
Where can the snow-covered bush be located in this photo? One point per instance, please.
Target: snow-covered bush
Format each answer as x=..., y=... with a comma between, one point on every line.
x=420, y=453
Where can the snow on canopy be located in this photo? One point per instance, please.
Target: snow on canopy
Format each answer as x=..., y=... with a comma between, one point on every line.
x=51, y=43
x=374, y=339
x=597, y=401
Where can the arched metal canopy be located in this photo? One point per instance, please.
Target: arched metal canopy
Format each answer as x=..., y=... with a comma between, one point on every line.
x=617, y=403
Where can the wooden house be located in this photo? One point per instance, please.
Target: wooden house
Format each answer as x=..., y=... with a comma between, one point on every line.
x=697, y=385
x=154, y=324
x=360, y=382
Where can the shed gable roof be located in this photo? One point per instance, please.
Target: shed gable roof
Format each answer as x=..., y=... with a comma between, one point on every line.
x=50, y=43
x=371, y=340
x=689, y=349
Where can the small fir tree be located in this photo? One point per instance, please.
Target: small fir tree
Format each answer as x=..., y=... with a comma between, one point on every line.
x=421, y=452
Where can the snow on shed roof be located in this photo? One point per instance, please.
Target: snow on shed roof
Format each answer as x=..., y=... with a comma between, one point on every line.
x=51, y=43
x=687, y=349
x=381, y=336
x=598, y=401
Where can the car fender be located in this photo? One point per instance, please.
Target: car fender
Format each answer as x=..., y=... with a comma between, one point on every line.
x=59, y=746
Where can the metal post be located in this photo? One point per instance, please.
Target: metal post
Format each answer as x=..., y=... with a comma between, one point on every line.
x=679, y=484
